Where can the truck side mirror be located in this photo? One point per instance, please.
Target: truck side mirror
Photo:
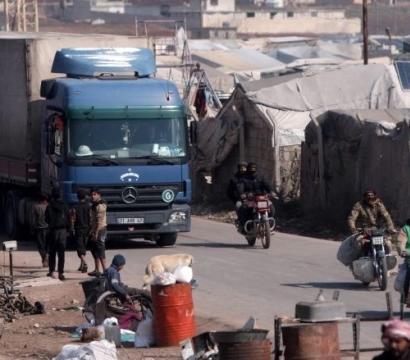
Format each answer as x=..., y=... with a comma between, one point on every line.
x=193, y=128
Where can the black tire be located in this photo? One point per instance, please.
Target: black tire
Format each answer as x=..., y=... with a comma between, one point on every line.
x=10, y=216
x=266, y=234
x=167, y=239
x=382, y=274
x=251, y=240
x=402, y=306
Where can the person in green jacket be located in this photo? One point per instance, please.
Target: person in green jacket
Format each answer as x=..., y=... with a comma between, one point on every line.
x=404, y=239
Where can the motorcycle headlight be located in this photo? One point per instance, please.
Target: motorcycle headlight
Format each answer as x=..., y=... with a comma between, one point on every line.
x=177, y=217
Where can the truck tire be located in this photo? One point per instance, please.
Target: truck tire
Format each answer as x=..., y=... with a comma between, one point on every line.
x=167, y=239
x=10, y=216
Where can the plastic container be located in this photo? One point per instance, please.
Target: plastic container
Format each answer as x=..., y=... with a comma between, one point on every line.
x=113, y=334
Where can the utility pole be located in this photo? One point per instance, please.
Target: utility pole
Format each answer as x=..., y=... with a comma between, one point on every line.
x=365, y=25
x=21, y=15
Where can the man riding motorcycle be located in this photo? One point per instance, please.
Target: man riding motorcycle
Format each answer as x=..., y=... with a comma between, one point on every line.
x=367, y=213
x=253, y=185
x=235, y=191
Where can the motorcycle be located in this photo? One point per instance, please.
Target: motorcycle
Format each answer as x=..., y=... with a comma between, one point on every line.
x=261, y=224
x=101, y=303
x=375, y=263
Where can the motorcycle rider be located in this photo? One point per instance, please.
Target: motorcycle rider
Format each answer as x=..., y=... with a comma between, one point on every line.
x=257, y=185
x=367, y=213
x=236, y=193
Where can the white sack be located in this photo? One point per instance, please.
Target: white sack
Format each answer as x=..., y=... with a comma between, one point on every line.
x=144, y=336
x=183, y=274
x=349, y=250
x=96, y=350
x=400, y=279
x=363, y=270
x=165, y=278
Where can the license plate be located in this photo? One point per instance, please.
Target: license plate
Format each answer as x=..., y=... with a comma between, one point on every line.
x=130, y=220
x=262, y=204
x=377, y=240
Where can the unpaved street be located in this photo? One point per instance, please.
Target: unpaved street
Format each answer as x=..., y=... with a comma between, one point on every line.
x=237, y=281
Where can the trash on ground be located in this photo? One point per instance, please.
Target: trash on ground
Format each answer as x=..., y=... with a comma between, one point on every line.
x=96, y=350
x=144, y=335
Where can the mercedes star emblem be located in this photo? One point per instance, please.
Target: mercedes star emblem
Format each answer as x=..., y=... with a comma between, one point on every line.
x=129, y=195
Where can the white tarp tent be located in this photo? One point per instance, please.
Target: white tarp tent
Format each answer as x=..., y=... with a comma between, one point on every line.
x=282, y=110
x=347, y=152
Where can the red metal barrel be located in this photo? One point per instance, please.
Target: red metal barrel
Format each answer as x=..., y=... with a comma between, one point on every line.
x=174, y=318
x=311, y=341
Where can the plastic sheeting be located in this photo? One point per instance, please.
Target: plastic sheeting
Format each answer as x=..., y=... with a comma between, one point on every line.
x=346, y=153
x=288, y=106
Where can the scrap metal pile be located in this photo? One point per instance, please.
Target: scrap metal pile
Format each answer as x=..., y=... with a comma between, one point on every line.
x=13, y=303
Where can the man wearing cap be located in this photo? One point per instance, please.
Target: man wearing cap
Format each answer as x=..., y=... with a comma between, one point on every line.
x=368, y=212
x=396, y=341
x=113, y=277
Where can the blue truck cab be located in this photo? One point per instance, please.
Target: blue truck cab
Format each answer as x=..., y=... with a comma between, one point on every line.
x=112, y=125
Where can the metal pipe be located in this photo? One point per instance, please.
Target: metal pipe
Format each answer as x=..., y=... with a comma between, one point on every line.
x=11, y=270
x=365, y=30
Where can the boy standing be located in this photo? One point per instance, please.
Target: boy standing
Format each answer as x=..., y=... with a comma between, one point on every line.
x=80, y=224
x=98, y=233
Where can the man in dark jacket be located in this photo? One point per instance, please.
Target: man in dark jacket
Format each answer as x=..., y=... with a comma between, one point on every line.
x=40, y=228
x=236, y=193
x=396, y=341
x=113, y=277
x=255, y=184
x=57, y=218
x=80, y=225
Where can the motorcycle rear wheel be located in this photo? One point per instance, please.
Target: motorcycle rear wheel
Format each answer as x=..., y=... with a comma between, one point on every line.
x=382, y=273
x=251, y=240
x=265, y=234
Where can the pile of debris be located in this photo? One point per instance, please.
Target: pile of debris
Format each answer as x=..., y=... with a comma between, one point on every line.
x=12, y=302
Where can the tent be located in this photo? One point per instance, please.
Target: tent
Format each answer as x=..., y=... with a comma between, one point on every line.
x=267, y=124
x=347, y=152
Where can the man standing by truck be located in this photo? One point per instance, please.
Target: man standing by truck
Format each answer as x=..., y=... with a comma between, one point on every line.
x=80, y=225
x=98, y=232
x=40, y=227
x=57, y=218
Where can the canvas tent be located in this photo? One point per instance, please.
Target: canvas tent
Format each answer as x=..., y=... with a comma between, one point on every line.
x=267, y=125
x=347, y=152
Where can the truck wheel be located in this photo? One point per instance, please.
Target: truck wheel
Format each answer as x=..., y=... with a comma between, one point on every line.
x=10, y=216
x=167, y=239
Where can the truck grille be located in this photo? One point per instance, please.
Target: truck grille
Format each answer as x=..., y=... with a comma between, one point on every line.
x=137, y=196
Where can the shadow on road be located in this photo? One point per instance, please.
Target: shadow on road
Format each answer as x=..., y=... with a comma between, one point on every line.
x=110, y=245
x=332, y=285
x=219, y=245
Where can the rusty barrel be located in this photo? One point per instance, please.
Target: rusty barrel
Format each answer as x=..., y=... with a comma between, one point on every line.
x=311, y=341
x=255, y=350
x=238, y=345
x=174, y=318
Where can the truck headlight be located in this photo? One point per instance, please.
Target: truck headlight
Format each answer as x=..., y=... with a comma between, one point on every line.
x=177, y=217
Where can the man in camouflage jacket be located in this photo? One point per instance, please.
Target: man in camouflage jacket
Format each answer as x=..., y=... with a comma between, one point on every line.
x=368, y=212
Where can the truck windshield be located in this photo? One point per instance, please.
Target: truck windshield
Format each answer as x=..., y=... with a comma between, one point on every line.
x=125, y=139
